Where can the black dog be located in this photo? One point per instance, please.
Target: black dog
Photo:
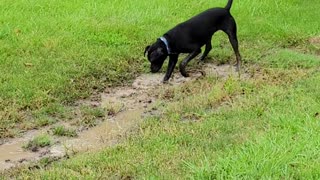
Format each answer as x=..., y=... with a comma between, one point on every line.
x=190, y=36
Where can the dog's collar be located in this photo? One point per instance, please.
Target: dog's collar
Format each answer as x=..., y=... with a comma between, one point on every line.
x=165, y=41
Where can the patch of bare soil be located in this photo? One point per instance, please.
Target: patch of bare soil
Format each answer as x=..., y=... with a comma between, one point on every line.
x=315, y=41
x=125, y=107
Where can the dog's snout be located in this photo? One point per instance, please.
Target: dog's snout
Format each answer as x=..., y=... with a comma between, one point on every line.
x=154, y=68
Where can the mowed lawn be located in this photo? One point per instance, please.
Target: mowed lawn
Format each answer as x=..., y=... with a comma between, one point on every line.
x=265, y=127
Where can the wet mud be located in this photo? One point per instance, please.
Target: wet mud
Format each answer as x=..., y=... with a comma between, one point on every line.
x=125, y=107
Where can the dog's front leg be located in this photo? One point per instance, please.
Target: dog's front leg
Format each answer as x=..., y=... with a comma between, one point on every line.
x=173, y=59
x=184, y=63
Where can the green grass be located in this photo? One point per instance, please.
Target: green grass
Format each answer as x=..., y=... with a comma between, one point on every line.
x=55, y=52
x=266, y=127
x=225, y=129
x=63, y=131
x=90, y=116
x=39, y=141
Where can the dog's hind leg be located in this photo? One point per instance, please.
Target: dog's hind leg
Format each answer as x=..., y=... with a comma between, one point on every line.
x=207, y=50
x=231, y=31
x=235, y=46
x=184, y=63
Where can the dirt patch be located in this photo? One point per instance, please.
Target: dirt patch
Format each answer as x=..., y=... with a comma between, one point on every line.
x=125, y=108
x=315, y=41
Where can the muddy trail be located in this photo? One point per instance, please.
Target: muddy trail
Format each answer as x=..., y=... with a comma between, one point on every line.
x=126, y=107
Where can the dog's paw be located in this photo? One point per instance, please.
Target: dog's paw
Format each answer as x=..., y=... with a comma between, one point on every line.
x=184, y=74
x=237, y=67
x=165, y=80
x=202, y=58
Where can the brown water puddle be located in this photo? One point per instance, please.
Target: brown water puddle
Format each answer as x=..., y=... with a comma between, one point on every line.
x=10, y=153
x=128, y=105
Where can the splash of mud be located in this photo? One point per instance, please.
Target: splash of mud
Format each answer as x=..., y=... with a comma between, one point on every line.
x=126, y=107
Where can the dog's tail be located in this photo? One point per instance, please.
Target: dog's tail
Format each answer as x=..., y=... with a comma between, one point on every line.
x=228, y=6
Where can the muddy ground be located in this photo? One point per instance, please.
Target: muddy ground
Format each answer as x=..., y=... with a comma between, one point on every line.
x=125, y=108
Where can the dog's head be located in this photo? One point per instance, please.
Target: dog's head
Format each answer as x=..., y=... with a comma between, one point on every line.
x=157, y=54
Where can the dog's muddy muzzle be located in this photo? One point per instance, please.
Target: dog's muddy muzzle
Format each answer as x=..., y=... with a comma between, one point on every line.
x=155, y=68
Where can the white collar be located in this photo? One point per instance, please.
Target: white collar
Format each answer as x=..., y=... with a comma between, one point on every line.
x=164, y=40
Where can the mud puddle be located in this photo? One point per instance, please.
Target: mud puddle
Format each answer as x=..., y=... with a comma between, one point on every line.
x=125, y=106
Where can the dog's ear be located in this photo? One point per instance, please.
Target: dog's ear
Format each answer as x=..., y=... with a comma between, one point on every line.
x=146, y=50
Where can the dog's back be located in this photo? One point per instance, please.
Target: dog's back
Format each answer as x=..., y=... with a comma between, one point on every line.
x=200, y=27
x=207, y=21
x=209, y=18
